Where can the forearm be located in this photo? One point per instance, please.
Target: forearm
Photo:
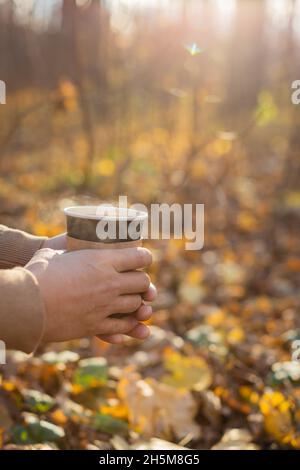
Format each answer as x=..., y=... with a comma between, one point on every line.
x=17, y=247
x=22, y=311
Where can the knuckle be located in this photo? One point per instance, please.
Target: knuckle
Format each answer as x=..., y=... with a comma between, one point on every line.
x=144, y=256
x=146, y=281
x=117, y=327
x=114, y=328
x=147, y=257
x=127, y=325
x=131, y=303
x=136, y=302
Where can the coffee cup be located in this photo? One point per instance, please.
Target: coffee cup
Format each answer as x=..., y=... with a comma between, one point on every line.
x=103, y=227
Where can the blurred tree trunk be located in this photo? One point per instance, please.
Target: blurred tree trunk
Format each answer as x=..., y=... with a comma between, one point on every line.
x=247, y=56
x=97, y=21
x=71, y=32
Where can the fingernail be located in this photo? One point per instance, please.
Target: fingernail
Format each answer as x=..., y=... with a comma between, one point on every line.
x=143, y=331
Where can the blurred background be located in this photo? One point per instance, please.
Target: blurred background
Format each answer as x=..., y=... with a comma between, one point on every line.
x=183, y=101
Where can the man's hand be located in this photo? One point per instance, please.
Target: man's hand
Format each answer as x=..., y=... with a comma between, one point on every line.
x=83, y=291
x=59, y=242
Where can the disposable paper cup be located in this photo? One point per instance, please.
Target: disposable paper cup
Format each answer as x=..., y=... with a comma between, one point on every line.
x=98, y=227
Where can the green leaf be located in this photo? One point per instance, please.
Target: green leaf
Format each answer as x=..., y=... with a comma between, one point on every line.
x=267, y=110
x=109, y=424
x=35, y=431
x=91, y=373
x=38, y=401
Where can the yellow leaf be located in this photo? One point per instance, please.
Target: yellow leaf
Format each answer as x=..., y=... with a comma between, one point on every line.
x=198, y=168
x=194, y=276
x=220, y=147
x=236, y=335
x=105, y=167
x=117, y=410
x=216, y=317
x=190, y=372
x=247, y=221
x=276, y=410
x=249, y=395
x=8, y=386
x=59, y=417
x=156, y=409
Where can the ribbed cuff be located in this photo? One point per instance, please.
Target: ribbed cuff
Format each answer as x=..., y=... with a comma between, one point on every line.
x=22, y=310
x=17, y=247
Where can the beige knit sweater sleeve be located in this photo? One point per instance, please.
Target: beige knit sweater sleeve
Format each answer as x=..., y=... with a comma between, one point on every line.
x=17, y=247
x=22, y=310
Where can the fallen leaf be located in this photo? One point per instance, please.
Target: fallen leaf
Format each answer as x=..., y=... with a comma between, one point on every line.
x=157, y=444
x=277, y=413
x=35, y=431
x=157, y=409
x=91, y=373
x=236, y=439
x=189, y=372
x=109, y=424
x=37, y=401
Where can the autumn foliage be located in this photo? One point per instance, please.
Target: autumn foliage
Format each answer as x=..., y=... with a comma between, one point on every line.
x=162, y=107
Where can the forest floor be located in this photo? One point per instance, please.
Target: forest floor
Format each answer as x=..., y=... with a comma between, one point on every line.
x=216, y=372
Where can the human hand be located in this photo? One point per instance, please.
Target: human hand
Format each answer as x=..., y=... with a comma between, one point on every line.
x=82, y=291
x=144, y=312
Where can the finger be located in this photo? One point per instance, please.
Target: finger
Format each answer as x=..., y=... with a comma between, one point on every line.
x=113, y=326
x=151, y=293
x=134, y=282
x=129, y=259
x=144, y=313
x=126, y=303
x=140, y=331
x=112, y=339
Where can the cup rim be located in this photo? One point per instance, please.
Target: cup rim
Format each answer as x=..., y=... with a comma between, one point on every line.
x=75, y=211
